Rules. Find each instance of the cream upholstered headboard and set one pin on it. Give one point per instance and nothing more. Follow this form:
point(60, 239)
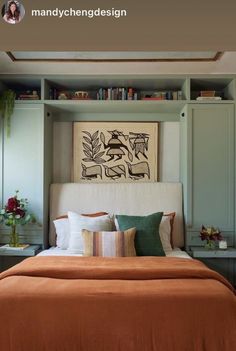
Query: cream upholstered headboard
point(118, 198)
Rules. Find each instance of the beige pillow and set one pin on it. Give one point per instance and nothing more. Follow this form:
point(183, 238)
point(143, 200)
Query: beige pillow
point(109, 244)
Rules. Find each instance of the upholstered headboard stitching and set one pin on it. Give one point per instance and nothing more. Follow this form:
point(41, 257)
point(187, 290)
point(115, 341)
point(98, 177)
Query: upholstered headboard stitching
point(119, 198)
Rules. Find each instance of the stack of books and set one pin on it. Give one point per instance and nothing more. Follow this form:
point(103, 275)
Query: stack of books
point(117, 94)
point(29, 95)
point(164, 95)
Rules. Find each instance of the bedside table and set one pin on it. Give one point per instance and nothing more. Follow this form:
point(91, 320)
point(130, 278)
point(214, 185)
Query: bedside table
point(10, 257)
point(222, 261)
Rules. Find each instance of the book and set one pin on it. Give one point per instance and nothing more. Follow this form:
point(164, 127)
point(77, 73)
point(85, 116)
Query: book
point(153, 98)
point(28, 98)
point(213, 98)
point(20, 247)
point(175, 95)
point(179, 95)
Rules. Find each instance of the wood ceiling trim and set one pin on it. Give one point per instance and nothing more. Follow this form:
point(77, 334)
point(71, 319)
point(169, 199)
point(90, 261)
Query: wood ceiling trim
point(217, 57)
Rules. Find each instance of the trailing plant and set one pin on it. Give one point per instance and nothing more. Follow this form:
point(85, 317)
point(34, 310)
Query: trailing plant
point(7, 103)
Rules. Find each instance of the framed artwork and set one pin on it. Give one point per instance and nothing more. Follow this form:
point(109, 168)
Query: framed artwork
point(115, 151)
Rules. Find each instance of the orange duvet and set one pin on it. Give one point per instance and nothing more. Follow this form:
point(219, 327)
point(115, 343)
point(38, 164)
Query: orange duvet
point(115, 304)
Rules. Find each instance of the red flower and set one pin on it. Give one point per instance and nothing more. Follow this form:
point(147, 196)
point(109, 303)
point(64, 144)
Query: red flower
point(20, 212)
point(210, 234)
point(12, 204)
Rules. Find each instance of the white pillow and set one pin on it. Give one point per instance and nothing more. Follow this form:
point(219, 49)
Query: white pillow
point(78, 223)
point(62, 227)
point(164, 232)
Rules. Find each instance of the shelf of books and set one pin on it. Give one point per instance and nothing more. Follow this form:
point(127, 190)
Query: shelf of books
point(118, 94)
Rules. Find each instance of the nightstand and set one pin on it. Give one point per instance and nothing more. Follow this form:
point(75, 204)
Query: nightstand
point(222, 261)
point(9, 258)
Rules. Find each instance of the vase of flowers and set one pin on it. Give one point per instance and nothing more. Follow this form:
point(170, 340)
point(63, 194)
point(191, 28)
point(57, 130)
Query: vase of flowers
point(210, 235)
point(13, 214)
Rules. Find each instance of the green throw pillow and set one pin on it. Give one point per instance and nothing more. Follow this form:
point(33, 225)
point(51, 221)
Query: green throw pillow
point(147, 238)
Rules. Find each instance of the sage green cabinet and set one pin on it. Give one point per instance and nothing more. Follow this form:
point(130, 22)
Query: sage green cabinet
point(207, 169)
point(222, 261)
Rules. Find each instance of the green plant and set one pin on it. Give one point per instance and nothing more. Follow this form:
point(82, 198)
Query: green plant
point(7, 103)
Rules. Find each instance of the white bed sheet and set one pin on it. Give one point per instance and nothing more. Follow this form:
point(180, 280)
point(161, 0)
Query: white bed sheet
point(55, 251)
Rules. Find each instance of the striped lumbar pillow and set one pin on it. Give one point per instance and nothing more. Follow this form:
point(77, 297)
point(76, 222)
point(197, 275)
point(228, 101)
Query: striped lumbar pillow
point(109, 244)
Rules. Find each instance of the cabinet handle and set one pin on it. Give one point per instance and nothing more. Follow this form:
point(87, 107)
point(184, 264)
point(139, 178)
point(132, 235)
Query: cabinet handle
point(182, 114)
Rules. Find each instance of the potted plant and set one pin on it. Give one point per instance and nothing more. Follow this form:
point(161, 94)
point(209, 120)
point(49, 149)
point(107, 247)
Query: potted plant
point(13, 214)
point(7, 103)
point(210, 235)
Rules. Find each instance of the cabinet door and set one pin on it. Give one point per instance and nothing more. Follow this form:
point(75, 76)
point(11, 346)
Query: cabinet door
point(23, 162)
point(208, 167)
point(223, 266)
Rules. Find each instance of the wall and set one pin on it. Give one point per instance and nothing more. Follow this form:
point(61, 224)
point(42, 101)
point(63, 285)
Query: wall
point(168, 152)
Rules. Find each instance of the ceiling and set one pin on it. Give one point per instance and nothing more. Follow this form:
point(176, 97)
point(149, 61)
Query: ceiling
point(225, 64)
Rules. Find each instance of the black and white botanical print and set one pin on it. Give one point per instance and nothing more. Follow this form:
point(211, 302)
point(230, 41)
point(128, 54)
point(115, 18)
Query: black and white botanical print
point(113, 151)
point(91, 148)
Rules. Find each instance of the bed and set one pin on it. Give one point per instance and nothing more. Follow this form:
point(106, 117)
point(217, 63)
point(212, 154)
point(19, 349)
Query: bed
point(65, 302)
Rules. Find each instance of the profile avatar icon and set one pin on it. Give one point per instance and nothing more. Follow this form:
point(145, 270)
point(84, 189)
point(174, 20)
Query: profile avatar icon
point(13, 12)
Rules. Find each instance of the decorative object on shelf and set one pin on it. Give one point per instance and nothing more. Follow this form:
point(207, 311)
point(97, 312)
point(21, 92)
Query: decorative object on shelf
point(115, 151)
point(7, 103)
point(13, 214)
point(63, 96)
point(80, 95)
point(210, 235)
point(207, 93)
point(28, 95)
point(223, 244)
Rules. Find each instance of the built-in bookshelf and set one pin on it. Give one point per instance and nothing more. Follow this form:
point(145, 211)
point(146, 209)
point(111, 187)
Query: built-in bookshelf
point(223, 87)
point(142, 94)
point(26, 88)
point(116, 88)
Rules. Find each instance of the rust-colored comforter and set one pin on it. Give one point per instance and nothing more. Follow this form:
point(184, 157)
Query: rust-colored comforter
point(115, 304)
